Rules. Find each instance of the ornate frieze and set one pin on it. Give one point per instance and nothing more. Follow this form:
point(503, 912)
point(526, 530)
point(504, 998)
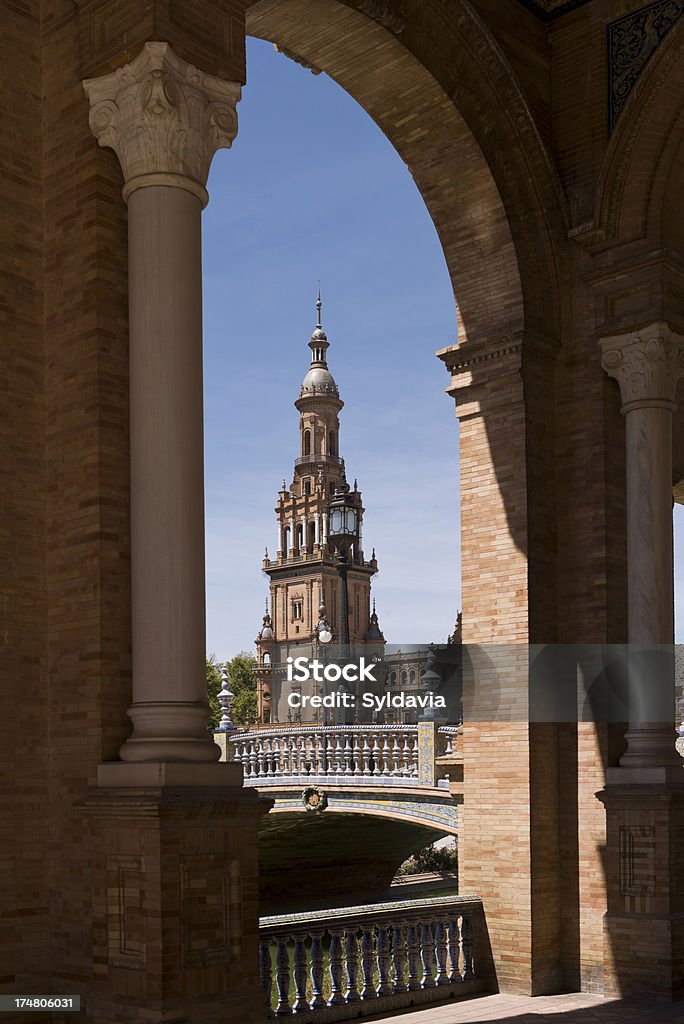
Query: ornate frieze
point(162, 116)
point(646, 364)
point(632, 40)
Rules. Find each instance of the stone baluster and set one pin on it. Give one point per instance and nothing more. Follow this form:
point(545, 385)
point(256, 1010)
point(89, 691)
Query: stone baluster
point(283, 1009)
point(319, 747)
point(376, 754)
point(396, 755)
point(317, 970)
point(454, 938)
point(275, 750)
point(348, 769)
point(300, 974)
point(351, 955)
point(339, 754)
point(467, 940)
point(427, 955)
point(399, 958)
point(368, 963)
point(301, 754)
point(268, 757)
point(405, 754)
point(441, 953)
point(336, 966)
point(415, 757)
point(384, 987)
point(356, 755)
point(366, 754)
point(265, 970)
point(386, 755)
point(413, 956)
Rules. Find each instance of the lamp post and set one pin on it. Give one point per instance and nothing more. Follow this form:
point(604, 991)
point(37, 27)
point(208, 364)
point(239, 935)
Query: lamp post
point(323, 635)
point(343, 524)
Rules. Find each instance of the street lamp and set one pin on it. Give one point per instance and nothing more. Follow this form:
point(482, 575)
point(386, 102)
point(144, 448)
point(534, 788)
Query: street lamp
point(343, 524)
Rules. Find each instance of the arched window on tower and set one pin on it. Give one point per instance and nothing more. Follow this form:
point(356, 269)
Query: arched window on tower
point(286, 540)
point(300, 536)
point(312, 536)
point(306, 443)
point(332, 443)
point(267, 658)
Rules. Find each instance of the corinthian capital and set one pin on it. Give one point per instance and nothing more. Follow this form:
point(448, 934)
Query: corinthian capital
point(163, 118)
point(646, 364)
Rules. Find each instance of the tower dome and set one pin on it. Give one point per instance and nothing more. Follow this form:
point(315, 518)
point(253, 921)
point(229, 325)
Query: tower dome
point(319, 380)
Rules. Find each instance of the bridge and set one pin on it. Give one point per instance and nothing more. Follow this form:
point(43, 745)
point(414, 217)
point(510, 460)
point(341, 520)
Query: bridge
point(364, 796)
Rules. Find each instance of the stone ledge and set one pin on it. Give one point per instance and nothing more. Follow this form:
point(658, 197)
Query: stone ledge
point(162, 774)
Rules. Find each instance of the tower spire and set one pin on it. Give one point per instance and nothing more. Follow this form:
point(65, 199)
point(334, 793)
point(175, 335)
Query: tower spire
point(319, 306)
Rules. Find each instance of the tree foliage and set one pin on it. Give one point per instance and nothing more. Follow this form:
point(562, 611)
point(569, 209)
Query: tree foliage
point(241, 682)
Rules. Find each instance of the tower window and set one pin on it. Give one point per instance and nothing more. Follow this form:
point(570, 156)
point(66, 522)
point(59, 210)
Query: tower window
point(307, 487)
point(332, 443)
point(298, 610)
point(306, 443)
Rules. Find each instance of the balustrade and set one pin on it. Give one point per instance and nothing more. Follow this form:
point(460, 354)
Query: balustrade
point(393, 954)
point(384, 752)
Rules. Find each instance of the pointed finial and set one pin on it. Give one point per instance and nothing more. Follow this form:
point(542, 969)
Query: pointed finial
point(373, 606)
point(373, 555)
point(266, 605)
point(319, 306)
point(266, 554)
point(283, 488)
point(356, 486)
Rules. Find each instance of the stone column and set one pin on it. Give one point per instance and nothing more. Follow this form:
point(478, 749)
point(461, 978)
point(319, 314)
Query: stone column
point(165, 119)
point(647, 365)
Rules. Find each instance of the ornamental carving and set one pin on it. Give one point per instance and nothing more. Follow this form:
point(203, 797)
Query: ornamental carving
point(646, 364)
point(162, 115)
point(632, 40)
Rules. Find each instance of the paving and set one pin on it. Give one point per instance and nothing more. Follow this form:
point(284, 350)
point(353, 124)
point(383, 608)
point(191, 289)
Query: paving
point(572, 1008)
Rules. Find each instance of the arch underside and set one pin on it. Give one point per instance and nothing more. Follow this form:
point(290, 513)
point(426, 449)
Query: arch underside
point(356, 856)
point(486, 242)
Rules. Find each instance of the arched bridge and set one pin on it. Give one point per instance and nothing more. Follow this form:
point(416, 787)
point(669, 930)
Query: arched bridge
point(364, 797)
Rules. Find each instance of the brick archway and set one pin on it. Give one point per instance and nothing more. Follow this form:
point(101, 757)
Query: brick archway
point(481, 170)
point(631, 197)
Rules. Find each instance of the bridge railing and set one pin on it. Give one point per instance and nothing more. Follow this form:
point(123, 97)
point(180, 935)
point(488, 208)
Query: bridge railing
point(344, 752)
point(346, 962)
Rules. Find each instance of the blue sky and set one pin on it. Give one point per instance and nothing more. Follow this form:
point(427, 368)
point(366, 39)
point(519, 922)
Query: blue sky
point(312, 189)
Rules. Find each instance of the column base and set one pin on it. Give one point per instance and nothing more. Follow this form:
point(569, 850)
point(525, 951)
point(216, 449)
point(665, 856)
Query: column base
point(651, 748)
point(643, 947)
point(170, 731)
point(175, 913)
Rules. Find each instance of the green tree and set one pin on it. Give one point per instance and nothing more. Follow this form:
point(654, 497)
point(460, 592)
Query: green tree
point(214, 680)
point(241, 682)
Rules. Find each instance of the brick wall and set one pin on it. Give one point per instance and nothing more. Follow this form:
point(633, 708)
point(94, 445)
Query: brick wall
point(24, 828)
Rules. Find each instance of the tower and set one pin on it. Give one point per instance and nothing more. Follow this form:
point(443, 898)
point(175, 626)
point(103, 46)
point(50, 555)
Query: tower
point(304, 575)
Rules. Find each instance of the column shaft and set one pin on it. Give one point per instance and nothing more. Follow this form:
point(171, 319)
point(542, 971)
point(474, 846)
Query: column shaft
point(648, 433)
point(167, 474)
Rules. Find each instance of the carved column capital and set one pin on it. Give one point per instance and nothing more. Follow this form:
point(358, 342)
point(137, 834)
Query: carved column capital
point(164, 119)
point(646, 364)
